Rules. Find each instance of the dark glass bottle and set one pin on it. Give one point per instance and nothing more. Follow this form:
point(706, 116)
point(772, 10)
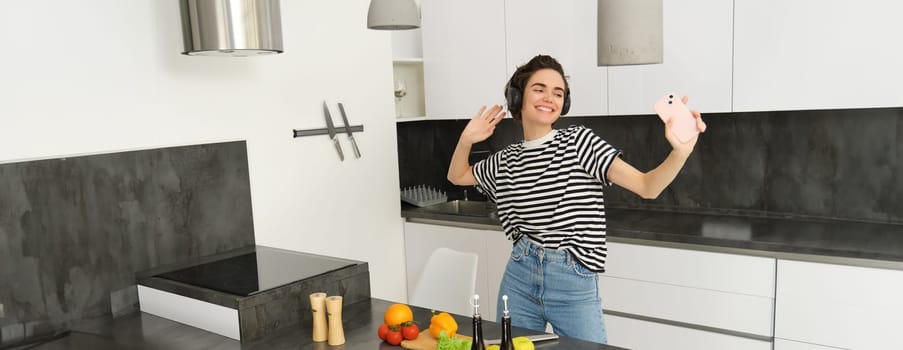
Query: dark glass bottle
point(507, 342)
point(478, 342)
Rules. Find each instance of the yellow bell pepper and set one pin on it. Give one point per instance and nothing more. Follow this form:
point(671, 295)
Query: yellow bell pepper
point(443, 322)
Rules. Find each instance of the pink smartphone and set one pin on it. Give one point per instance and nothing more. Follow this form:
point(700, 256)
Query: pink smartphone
point(670, 106)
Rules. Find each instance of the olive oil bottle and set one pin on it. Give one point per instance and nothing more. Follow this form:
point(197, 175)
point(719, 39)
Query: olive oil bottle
point(478, 342)
point(507, 342)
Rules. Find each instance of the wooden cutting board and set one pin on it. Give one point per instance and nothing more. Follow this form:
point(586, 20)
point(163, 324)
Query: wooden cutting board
point(425, 341)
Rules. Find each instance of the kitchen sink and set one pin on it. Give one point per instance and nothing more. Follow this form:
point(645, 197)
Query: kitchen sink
point(468, 208)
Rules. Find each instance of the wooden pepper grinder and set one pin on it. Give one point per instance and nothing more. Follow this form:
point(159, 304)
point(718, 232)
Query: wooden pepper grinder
point(318, 309)
point(334, 315)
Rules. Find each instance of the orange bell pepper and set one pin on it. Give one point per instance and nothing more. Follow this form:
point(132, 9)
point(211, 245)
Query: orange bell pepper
point(443, 322)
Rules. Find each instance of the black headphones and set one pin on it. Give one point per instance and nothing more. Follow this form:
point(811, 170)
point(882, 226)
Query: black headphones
point(515, 98)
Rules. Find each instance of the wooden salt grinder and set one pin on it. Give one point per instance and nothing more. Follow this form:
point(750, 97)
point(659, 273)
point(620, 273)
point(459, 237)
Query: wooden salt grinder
point(334, 315)
point(318, 309)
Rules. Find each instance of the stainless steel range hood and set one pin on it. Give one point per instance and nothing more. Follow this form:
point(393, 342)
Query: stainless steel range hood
point(231, 27)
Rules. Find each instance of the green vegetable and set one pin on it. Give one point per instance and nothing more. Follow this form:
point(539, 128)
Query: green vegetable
point(446, 343)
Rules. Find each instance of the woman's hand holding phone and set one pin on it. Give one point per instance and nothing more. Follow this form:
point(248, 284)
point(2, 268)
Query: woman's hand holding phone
point(682, 126)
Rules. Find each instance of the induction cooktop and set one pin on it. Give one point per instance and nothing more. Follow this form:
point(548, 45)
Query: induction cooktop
point(251, 273)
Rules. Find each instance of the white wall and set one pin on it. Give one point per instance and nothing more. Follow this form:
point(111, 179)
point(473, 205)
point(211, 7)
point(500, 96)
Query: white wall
point(99, 76)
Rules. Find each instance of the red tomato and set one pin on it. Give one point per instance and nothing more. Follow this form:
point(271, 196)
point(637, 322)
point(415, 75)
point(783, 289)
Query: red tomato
point(383, 329)
point(393, 337)
point(410, 332)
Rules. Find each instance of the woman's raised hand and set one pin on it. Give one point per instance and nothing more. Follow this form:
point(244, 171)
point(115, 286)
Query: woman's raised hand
point(684, 148)
point(483, 124)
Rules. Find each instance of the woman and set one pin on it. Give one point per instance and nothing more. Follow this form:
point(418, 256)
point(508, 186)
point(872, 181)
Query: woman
point(548, 189)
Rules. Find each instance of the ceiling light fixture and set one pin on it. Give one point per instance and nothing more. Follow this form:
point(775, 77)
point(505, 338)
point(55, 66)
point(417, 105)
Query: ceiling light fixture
point(629, 32)
point(393, 15)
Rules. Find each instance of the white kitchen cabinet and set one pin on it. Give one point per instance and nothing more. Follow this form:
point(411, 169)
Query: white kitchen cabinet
point(463, 56)
point(792, 55)
point(565, 30)
point(643, 335)
point(422, 239)
point(697, 61)
point(733, 293)
point(839, 306)
point(784, 344)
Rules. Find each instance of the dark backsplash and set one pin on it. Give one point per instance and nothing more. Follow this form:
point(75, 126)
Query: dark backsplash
point(839, 164)
point(73, 231)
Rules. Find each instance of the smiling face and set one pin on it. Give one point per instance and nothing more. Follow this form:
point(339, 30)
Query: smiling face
point(543, 98)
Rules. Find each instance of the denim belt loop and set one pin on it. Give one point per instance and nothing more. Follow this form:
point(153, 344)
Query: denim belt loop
point(569, 259)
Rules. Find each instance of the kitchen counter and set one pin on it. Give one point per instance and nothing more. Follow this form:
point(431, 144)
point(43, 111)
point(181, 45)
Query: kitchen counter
point(856, 243)
point(360, 322)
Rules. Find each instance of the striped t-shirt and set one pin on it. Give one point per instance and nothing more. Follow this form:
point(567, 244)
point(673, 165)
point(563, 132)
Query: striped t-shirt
point(550, 191)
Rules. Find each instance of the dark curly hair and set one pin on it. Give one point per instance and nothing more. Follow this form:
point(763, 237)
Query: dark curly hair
point(523, 73)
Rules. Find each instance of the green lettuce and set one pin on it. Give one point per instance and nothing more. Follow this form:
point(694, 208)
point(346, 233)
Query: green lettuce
point(446, 343)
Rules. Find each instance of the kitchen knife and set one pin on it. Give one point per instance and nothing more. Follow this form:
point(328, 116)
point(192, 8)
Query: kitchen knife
point(533, 338)
point(331, 129)
point(357, 152)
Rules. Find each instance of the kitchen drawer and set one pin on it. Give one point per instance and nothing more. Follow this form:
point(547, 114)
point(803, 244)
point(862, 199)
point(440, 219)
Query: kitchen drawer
point(839, 306)
point(730, 273)
point(706, 307)
point(641, 335)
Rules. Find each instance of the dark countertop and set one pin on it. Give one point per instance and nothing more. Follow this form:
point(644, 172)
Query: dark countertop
point(360, 322)
point(771, 236)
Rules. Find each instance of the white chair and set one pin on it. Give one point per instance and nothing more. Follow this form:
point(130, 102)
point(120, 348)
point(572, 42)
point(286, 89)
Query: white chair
point(448, 282)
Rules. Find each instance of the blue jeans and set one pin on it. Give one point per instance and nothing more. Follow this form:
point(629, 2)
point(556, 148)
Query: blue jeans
point(548, 285)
